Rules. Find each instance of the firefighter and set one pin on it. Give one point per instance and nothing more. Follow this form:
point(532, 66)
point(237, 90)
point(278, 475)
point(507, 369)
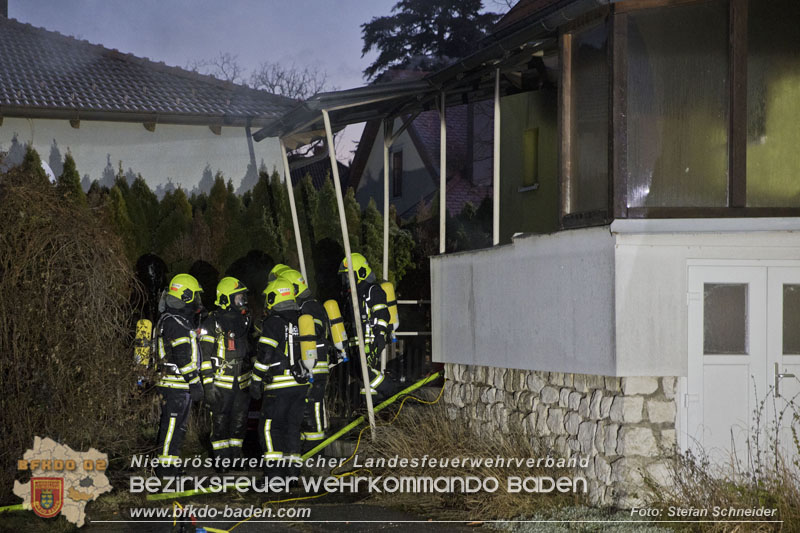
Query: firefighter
point(226, 367)
point(280, 376)
point(374, 320)
point(179, 361)
point(314, 422)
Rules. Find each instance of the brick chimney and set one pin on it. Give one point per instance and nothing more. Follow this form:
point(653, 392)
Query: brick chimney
point(4, 8)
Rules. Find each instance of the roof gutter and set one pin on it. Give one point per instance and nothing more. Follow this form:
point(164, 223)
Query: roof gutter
point(133, 117)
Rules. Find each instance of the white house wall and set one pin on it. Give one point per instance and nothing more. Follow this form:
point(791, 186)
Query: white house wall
point(544, 302)
point(651, 260)
point(171, 151)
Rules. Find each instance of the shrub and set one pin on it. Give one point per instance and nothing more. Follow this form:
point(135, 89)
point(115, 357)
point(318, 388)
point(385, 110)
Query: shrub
point(66, 365)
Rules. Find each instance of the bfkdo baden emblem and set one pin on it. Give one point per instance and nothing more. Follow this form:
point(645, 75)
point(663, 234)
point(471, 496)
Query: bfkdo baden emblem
point(47, 495)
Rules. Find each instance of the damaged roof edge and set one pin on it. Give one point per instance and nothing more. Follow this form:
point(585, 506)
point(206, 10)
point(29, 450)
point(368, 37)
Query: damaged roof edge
point(537, 26)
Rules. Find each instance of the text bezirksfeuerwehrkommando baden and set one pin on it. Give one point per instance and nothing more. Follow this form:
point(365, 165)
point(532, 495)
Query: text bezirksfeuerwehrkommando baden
point(428, 482)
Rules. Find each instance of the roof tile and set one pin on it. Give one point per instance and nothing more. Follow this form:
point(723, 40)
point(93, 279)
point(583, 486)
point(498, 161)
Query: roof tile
point(47, 70)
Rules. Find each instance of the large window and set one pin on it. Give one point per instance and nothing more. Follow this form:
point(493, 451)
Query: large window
point(773, 103)
point(585, 120)
point(677, 106)
point(681, 108)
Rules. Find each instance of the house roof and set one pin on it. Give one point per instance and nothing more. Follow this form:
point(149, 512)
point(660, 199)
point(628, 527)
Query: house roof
point(427, 130)
point(319, 168)
point(425, 133)
point(46, 74)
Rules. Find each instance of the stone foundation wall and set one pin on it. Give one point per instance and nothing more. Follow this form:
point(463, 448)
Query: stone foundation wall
point(625, 426)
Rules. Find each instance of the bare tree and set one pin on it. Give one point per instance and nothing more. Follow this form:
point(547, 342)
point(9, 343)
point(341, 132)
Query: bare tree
point(289, 80)
point(224, 66)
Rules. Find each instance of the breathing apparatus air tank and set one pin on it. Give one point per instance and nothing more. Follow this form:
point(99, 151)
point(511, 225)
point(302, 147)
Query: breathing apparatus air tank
point(141, 346)
point(391, 303)
point(337, 326)
point(308, 342)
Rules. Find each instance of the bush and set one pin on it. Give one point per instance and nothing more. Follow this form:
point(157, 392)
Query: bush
point(66, 365)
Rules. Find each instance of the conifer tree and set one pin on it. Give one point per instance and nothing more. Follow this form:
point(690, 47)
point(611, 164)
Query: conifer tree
point(143, 211)
point(258, 218)
point(237, 243)
point(326, 215)
point(216, 215)
point(121, 222)
point(401, 249)
point(279, 201)
point(69, 182)
point(352, 213)
point(306, 203)
point(32, 165)
point(372, 231)
point(175, 220)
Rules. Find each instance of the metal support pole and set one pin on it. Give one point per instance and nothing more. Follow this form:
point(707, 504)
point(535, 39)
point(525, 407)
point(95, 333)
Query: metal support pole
point(387, 142)
point(496, 165)
point(442, 173)
point(351, 277)
point(287, 175)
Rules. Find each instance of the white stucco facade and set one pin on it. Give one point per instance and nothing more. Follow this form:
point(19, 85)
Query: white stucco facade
point(607, 301)
point(177, 152)
point(543, 302)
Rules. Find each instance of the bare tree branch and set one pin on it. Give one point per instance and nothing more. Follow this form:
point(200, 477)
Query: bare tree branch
point(224, 66)
point(290, 81)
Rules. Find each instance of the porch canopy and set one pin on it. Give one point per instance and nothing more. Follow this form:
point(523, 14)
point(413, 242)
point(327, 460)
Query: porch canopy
point(505, 65)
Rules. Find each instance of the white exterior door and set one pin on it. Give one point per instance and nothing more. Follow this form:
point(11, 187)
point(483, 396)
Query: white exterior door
point(727, 367)
point(783, 351)
point(744, 359)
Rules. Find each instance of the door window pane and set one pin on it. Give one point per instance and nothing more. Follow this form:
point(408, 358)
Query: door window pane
point(773, 103)
point(725, 318)
point(677, 110)
point(588, 124)
point(791, 319)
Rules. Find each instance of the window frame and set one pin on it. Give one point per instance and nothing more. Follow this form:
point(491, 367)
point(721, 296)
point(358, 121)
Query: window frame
point(598, 217)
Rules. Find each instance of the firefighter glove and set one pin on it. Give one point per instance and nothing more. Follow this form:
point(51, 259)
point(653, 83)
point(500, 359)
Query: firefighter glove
point(380, 344)
point(255, 390)
point(196, 392)
point(211, 394)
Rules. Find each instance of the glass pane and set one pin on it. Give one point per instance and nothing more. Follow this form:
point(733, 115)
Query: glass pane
point(773, 103)
point(725, 318)
point(677, 119)
point(588, 187)
point(791, 319)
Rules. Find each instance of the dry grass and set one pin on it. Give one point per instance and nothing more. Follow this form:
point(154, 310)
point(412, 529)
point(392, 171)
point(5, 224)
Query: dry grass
point(66, 366)
point(428, 431)
point(761, 475)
